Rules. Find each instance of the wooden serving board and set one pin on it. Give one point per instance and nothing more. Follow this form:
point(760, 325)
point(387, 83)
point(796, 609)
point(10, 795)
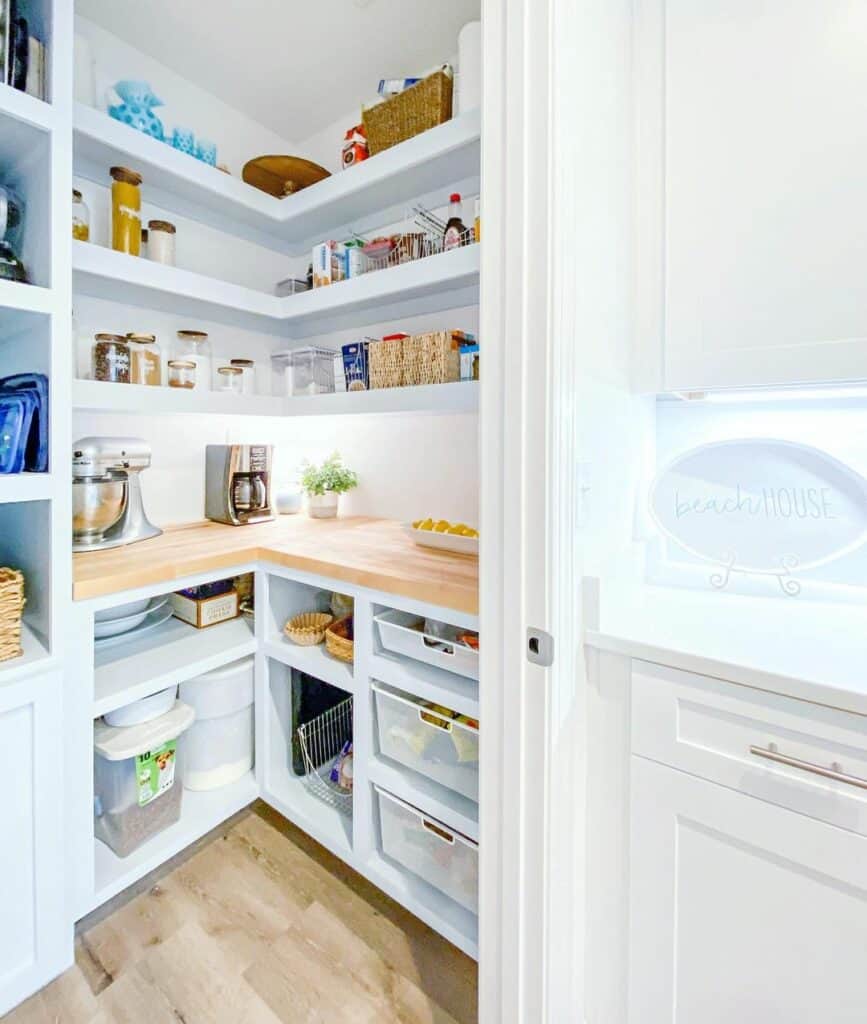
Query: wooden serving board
point(372, 553)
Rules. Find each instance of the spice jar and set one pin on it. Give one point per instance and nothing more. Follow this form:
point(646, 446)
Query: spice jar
point(145, 363)
point(110, 358)
point(182, 373)
point(230, 378)
point(80, 218)
point(161, 242)
point(194, 347)
point(248, 375)
point(126, 210)
point(143, 248)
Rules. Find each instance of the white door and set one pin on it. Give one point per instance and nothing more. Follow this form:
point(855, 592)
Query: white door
point(35, 938)
point(741, 911)
point(752, 202)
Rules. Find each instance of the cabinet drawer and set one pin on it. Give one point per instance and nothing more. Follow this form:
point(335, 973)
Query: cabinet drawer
point(808, 758)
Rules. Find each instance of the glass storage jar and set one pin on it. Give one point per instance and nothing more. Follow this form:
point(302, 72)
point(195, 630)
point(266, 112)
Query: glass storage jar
point(230, 378)
point(182, 373)
point(80, 218)
point(248, 375)
point(145, 360)
point(194, 347)
point(126, 210)
point(161, 242)
point(110, 358)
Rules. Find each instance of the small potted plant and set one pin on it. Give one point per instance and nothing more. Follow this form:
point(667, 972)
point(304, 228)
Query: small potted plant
point(324, 484)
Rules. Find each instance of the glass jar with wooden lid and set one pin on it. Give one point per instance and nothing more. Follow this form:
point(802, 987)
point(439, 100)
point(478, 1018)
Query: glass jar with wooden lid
point(194, 347)
point(230, 378)
point(248, 375)
point(110, 358)
point(145, 360)
point(182, 374)
point(161, 242)
point(126, 210)
point(80, 217)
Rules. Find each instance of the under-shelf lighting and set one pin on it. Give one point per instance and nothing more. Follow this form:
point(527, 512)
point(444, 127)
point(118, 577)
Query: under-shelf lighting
point(786, 394)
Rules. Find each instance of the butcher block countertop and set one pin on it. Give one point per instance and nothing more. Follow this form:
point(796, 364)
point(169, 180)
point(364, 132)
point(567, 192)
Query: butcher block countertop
point(372, 553)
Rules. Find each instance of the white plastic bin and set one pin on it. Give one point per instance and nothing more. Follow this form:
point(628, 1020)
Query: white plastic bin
point(138, 778)
point(442, 857)
point(403, 633)
point(434, 744)
point(219, 746)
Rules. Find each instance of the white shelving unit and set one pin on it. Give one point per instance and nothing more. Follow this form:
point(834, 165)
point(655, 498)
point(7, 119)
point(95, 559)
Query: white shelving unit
point(365, 196)
point(99, 396)
point(315, 661)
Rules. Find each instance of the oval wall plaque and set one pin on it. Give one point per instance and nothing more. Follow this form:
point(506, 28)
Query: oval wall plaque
point(761, 506)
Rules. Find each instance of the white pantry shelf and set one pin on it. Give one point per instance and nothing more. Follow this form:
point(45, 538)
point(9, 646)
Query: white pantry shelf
point(427, 681)
point(315, 661)
point(23, 298)
point(27, 109)
point(367, 195)
point(100, 396)
point(428, 796)
point(200, 812)
point(171, 653)
point(424, 398)
point(30, 661)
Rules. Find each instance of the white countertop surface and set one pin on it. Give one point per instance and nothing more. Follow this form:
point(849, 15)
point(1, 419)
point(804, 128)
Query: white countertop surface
point(812, 651)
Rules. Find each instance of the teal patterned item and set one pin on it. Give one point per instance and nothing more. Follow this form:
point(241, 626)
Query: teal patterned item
point(136, 108)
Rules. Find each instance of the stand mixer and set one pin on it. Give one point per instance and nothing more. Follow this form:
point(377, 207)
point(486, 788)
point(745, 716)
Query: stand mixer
point(107, 510)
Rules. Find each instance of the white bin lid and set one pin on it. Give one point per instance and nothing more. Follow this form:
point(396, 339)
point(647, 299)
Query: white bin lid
point(120, 743)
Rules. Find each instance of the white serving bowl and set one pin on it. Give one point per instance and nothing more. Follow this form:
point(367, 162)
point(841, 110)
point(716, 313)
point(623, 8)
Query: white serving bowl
point(443, 541)
point(122, 611)
point(144, 710)
point(113, 627)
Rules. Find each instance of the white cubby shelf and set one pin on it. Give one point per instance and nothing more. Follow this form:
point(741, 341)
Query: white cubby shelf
point(357, 199)
point(19, 106)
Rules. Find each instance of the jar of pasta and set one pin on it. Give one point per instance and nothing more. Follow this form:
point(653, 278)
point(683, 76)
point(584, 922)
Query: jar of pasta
point(126, 210)
point(145, 361)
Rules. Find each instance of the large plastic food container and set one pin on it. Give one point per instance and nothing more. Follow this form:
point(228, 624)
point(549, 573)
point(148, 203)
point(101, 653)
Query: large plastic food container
point(403, 633)
point(138, 778)
point(428, 740)
point(219, 745)
point(442, 857)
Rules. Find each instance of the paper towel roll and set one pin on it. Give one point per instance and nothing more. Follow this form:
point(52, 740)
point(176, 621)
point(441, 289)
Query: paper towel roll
point(470, 67)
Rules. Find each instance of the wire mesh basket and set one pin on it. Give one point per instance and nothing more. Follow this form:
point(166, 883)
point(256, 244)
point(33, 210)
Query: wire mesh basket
point(423, 237)
point(322, 741)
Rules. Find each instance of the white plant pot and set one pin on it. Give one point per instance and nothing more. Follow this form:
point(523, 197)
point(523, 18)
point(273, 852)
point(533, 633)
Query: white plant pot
point(323, 506)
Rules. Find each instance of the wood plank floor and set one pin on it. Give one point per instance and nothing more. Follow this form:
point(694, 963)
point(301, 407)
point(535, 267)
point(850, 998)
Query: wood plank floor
point(260, 924)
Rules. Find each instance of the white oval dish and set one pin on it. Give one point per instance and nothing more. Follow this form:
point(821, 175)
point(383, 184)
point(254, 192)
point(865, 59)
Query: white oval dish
point(122, 611)
point(442, 541)
point(144, 710)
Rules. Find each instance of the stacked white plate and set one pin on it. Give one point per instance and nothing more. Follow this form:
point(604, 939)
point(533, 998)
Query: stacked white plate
point(130, 619)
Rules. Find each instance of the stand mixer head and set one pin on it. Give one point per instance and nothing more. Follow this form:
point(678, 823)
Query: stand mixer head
point(107, 510)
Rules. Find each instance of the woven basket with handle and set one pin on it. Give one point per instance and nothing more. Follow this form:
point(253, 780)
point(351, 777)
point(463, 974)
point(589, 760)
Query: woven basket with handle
point(424, 105)
point(11, 609)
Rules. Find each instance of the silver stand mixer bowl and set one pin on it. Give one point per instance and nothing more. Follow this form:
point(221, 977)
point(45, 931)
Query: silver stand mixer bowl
point(97, 505)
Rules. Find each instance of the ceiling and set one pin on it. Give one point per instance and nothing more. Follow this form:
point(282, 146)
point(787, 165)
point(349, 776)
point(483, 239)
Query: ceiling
point(293, 65)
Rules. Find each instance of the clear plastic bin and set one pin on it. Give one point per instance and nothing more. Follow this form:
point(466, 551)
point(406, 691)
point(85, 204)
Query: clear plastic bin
point(436, 745)
point(312, 371)
point(443, 858)
point(403, 633)
point(219, 745)
point(138, 779)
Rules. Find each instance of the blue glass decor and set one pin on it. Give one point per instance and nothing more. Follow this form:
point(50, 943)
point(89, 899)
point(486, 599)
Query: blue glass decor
point(136, 108)
point(184, 141)
point(207, 152)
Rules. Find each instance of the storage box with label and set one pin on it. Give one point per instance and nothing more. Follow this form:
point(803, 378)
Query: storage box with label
point(205, 609)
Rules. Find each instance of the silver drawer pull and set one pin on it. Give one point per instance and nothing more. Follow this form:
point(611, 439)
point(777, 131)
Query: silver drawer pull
point(771, 754)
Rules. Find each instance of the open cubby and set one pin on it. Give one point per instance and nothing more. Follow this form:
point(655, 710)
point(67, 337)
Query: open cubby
point(25, 544)
point(25, 166)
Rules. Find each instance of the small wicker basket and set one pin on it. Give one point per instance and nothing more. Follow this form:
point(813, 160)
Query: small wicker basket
point(337, 641)
point(11, 609)
point(385, 361)
point(422, 106)
point(431, 359)
point(308, 628)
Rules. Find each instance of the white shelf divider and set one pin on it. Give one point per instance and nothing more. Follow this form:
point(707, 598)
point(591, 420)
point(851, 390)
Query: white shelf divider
point(200, 813)
point(171, 653)
point(362, 197)
point(25, 298)
point(26, 487)
point(315, 661)
point(428, 796)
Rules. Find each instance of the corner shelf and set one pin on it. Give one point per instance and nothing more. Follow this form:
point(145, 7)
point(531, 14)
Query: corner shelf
point(354, 199)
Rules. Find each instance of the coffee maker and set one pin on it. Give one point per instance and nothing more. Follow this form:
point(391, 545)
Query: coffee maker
point(238, 483)
point(107, 509)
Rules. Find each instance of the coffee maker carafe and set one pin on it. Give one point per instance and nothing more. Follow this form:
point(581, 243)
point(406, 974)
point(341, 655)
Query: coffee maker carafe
point(238, 483)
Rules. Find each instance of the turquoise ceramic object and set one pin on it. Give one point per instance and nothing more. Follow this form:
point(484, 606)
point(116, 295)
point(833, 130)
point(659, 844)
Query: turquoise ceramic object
point(184, 141)
point(206, 151)
point(136, 108)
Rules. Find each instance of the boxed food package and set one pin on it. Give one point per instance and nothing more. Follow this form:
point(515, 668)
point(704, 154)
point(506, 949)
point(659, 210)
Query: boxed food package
point(356, 366)
point(324, 264)
point(354, 146)
point(206, 605)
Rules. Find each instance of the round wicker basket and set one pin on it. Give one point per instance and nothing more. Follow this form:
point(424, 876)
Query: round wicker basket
point(308, 628)
point(337, 639)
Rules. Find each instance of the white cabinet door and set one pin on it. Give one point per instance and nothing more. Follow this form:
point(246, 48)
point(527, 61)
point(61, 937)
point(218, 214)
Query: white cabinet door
point(753, 212)
point(35, 934)
point(740, 910)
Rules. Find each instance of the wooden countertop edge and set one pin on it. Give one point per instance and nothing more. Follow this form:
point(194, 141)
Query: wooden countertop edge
point(442, 595)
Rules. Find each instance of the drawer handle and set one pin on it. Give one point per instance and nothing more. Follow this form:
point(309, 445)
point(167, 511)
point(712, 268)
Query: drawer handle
point(772, 754)
point(434, 720)
point(440, 833)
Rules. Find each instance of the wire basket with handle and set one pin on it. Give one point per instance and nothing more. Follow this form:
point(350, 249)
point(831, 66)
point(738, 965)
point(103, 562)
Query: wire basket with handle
point(322, 740)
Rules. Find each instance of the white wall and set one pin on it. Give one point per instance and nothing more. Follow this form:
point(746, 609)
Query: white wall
point(238, 138)
point(409, 467)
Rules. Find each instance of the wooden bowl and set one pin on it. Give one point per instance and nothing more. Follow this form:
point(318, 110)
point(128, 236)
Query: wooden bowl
point(282, 176)
point(308, 628)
